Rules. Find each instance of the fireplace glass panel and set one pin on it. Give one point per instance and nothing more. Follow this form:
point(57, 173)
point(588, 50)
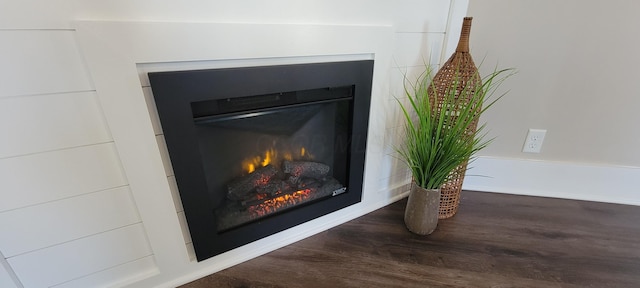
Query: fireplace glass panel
point(267, 160)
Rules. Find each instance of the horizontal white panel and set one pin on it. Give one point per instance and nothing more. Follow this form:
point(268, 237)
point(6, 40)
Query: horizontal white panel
point(394, 115)
point(421, 15)
point(65, 220)
point(49, 122)
point(401, 76)
point(118, 276)
point(49, 176)
point(248, 11)
point(38, 14)
point(417, 49)
point(6, 281)
point(68, 261)
point(394, 138)
point(408, 14)
point(393, 172)
point(40, 62)
point(153, 110)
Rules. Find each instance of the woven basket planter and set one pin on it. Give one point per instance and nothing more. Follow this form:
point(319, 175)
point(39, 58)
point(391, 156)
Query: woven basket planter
point(459, 68)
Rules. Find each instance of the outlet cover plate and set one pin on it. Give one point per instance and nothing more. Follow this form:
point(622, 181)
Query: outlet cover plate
point(533, 142)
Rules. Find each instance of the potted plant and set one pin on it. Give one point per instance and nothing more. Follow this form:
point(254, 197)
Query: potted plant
point(438, 137)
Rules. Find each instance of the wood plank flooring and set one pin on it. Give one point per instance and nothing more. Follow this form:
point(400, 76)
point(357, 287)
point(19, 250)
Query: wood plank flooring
point(495, 240)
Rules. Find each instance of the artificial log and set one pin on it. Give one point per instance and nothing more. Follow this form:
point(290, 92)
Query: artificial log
point(251, 202)
point(242, 187)
point(255, 201)
point(298, 169)
point(270, 188)
point(235, 213)
point(244, 203)
point(308, 183)
point(277, 189)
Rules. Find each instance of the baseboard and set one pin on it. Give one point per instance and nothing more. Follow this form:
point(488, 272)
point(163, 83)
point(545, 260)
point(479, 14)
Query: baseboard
point(602, 183)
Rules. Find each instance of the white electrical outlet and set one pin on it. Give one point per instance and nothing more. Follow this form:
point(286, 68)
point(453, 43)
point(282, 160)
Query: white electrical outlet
point(533, 143)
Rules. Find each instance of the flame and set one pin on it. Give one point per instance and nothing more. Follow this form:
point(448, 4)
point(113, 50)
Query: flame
point(251, 164)
point(269, 155)
point(273, 156)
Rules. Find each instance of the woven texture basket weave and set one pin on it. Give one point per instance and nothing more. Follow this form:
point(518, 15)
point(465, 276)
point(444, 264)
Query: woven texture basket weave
point(459, 68)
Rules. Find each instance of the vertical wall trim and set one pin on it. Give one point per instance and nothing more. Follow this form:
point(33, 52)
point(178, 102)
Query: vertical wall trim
point(457, 11)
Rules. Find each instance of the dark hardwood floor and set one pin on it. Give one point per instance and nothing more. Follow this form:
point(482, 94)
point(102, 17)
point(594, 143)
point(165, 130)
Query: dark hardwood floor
point(495, 240)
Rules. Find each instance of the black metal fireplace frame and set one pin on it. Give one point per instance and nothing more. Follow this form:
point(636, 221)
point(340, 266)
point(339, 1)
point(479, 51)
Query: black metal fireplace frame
point(175, 91)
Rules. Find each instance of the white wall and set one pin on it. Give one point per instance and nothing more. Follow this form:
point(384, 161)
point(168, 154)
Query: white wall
point(577, 63)
point(67, 215)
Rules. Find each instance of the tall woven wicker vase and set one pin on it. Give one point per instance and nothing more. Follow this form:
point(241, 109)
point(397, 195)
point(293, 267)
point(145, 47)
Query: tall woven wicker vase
point(460, 68)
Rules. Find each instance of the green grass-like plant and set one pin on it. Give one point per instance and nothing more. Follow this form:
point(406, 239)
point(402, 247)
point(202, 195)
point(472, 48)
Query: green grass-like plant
point(437, 143)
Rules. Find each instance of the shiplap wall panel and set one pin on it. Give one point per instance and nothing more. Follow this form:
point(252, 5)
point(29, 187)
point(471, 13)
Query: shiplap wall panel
point(421, 15)
point(401, 76)
point(417, 49)
point(117, 276)
point(40, 62)
point(65, 220)
point(5, 278)
point(49, 176)
point(82, 257)
point(49, 122)
point(36, 14)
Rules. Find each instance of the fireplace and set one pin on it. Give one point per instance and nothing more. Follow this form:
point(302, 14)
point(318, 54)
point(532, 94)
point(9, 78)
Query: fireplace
point(257, 150)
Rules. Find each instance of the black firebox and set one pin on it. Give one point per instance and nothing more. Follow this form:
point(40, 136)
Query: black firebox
point(257, 150)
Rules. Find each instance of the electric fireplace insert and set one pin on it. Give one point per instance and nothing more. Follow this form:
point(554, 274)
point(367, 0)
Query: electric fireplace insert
point(257, 150)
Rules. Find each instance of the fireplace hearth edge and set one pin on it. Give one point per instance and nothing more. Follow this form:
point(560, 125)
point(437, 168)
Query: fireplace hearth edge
point(175, 93)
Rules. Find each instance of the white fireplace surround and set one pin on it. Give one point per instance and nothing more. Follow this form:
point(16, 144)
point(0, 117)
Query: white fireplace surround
point(119, 54)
